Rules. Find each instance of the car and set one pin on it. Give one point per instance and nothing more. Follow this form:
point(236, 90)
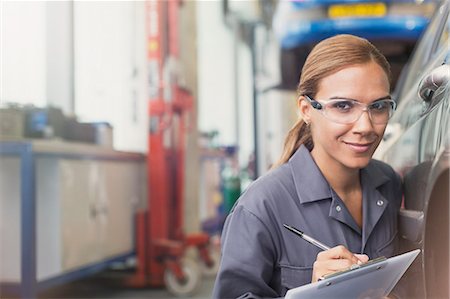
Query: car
point(417, 146)
point(392, 25)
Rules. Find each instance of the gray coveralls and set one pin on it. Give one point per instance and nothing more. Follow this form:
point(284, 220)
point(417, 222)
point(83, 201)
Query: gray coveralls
point(260, 258)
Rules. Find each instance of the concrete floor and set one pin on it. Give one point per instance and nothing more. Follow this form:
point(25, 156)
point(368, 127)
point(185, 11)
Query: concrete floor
point(109, 284)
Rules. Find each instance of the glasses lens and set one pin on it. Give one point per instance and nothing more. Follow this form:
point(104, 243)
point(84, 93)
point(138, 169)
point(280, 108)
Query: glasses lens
point(381, 111)
point(347, 111)
point(342, 111)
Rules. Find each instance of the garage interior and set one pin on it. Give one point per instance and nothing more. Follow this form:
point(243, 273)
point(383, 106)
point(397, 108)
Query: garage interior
point(128, 130)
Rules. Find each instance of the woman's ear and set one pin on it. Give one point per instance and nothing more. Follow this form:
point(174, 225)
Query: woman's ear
point(304, 109)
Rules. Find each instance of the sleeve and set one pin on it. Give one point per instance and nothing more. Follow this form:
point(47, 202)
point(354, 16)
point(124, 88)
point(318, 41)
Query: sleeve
point(248, 258)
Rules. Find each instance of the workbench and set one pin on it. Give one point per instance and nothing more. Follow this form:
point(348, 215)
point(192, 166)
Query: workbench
point(66, 211)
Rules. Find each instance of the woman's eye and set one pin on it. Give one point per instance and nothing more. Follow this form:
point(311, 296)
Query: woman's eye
point(379, 105)
point(343, 105)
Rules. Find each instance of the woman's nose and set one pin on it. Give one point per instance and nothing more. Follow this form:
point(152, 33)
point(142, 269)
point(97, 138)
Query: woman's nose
point(364, 122)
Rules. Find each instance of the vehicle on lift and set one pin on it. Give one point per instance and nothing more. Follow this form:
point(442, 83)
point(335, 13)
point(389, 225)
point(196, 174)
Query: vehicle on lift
point(392, 25)
point(417, 146)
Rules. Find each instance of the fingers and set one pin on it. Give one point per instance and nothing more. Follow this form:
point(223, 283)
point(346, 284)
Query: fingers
point(333, 265)
point(339, 252)
point(324, 267)
point(362, 258)
point(335, 259)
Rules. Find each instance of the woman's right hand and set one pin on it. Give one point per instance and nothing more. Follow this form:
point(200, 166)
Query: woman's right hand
point(335, 259)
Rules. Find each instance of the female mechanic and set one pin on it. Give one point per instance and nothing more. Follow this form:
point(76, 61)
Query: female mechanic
point(325, 184)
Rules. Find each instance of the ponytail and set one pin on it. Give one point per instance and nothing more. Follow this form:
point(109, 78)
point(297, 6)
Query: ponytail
point(299, 134)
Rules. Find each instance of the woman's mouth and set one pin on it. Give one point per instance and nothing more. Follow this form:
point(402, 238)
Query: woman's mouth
point(359, 147)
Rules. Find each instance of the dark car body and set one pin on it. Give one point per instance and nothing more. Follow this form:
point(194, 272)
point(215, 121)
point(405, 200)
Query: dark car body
point(417, 146)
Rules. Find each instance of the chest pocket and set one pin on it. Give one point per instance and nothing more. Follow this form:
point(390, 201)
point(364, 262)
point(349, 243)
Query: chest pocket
point(292, 277)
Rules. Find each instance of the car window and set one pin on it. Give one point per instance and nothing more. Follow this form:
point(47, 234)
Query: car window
point(423, 52)
point(412, 107)
point(444, 41)
point(430, 53)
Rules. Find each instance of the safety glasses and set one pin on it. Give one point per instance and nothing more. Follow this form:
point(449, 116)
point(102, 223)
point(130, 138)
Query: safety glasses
point(346, 111)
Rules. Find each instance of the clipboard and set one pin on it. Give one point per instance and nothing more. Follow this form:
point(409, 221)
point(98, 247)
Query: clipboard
point(374, 279)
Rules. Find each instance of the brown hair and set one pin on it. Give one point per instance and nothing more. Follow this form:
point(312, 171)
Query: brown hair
point(327, 57)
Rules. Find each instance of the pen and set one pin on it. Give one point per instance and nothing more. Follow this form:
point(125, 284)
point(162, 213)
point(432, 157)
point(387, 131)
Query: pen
point(306, 237)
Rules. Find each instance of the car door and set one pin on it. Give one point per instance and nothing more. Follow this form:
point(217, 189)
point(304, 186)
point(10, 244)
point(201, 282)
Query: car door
point(418, 132)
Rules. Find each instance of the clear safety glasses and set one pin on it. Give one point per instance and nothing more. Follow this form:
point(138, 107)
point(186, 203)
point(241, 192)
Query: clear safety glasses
point(346, 111)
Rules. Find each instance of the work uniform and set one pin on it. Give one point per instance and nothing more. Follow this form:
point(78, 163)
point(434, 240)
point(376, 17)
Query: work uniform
point(260, 258)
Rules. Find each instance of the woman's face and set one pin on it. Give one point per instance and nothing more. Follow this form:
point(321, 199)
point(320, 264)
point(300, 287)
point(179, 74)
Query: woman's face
point(348, 145)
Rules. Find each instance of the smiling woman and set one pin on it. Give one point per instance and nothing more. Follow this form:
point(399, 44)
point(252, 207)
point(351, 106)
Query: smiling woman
point(338, 67)
point(349, 141)
point(326, 183)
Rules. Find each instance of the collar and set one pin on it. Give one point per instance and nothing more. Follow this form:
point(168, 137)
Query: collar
point(373, 176)
point(310, 183)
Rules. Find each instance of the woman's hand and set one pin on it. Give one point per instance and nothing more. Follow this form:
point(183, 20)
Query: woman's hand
point(335, 259)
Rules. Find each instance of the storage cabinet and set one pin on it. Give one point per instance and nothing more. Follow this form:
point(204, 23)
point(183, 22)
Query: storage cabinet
point(82, 200)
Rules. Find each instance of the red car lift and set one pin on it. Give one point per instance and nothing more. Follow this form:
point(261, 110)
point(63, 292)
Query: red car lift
point(161, 242)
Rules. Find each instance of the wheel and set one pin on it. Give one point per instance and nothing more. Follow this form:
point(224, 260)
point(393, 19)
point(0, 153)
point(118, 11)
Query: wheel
point(436, 247)
point(211, 270)
point(192, 274)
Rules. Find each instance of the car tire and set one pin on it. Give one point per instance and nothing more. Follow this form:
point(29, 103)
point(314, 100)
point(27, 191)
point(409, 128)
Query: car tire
point(436, 245)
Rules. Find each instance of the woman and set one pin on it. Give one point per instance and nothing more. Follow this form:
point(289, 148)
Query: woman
point(325, 183)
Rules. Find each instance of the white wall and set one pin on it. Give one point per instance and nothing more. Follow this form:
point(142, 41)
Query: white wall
point(110, 69)
point(245, 101)
point(216, 73)
point(23, 60)
point(60, 58)
point(95, 67)
point(106, 78)
point(218, 78)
